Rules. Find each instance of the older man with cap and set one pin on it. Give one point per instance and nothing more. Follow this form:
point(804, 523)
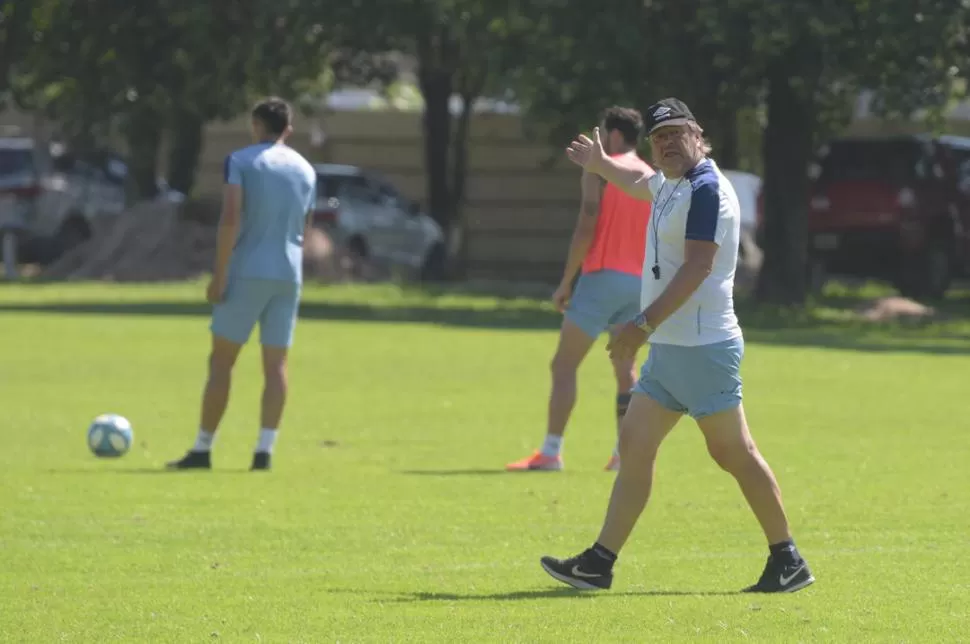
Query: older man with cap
point(696, 346)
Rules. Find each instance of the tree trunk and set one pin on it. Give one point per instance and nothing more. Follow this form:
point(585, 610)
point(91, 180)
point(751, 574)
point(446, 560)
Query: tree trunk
point(458, 246)
point(436, 88)
point(144, 137)
point(788, 149)
point(727, 153)
point(183, 157)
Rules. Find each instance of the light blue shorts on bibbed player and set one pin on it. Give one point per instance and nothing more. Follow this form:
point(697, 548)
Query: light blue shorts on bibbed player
point(698, 381)
point(603, 299)
point(273, 303)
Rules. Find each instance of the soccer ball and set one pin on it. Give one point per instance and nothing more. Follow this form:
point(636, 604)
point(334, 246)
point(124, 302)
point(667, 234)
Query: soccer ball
point(110, 436)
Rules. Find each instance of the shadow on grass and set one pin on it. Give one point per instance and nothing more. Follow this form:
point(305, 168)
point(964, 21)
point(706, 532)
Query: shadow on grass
point(546, 593)
point(143, 470)
point(828, 323)
point(494, 317)
point(454, 472)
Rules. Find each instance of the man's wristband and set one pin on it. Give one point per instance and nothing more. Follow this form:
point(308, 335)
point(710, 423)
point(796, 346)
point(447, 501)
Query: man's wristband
point(641, 323)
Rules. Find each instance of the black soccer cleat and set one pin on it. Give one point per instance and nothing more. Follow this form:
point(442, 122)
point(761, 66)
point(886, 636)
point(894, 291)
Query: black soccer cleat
point(782, 578)
point(586, 571)
point(192, 461)
point(261, 461)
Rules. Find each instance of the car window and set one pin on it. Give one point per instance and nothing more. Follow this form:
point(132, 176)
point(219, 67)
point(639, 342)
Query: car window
point(13, 161)
point(892, 161)
point(345, 187)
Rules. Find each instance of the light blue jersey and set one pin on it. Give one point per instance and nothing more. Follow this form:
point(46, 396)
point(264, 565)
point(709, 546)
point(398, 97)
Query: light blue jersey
point(278, 190)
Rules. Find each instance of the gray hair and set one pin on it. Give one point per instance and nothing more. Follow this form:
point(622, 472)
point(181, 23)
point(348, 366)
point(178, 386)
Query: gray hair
point(694, 127)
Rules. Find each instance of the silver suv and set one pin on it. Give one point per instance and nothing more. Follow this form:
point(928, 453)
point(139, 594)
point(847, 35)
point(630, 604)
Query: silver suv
point(365, 214)
point(52, 209)
point(52, 201)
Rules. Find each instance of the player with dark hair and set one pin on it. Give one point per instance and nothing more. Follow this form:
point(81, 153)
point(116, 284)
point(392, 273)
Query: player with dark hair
point(607, 249)
point(269, 191)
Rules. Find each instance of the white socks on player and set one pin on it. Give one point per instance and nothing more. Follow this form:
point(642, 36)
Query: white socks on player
point(203, 442)
point(267, 439)
point(552, 446)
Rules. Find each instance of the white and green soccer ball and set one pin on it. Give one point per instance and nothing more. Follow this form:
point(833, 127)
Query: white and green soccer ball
point(110, 436)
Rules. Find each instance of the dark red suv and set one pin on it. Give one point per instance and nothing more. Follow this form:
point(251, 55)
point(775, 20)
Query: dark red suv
point(894, 208)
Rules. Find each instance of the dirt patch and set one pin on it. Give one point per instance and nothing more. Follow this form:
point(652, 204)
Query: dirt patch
point(890, 309)
point(166, 241)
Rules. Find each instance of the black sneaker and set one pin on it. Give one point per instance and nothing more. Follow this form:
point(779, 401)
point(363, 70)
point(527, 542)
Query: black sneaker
point(192, 461)
point(261, 461)
point(587, 571)
point(782, 578)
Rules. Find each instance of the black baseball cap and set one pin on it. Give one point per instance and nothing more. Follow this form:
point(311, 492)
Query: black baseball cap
point(668, 111)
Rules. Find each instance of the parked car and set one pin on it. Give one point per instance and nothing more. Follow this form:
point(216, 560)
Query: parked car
point(365, 214)
point(896, 208)
point(51, 199)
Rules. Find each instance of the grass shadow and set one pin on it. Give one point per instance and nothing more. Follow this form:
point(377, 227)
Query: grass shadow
point(143, 470)
point(546, 593)
point(469, 472)
point(828, 322)
point(496, 317)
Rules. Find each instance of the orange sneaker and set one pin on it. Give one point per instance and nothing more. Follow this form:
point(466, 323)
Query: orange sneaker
point(613, 465)
point(538, 461)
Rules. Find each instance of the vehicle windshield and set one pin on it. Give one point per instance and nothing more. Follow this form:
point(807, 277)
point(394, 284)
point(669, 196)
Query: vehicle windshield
point(892, 161)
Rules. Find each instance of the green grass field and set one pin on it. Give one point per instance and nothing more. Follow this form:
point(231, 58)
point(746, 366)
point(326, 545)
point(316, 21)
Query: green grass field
point(388, 518)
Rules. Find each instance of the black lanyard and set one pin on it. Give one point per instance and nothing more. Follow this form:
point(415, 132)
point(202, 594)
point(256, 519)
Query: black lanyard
point(655, 216)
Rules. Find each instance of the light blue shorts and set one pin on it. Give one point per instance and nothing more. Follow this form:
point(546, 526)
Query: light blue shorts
point(273, 303)
point(603, 299)
point(698, 381)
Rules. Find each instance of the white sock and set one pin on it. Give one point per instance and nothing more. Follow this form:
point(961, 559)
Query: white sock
point(267, 438)
point(616, 451)
point(203, 442)
point(552, 446)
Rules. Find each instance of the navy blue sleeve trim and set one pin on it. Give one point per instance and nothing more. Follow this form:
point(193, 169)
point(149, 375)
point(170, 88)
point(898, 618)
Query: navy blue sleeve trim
point(705, 205)
point(225, 168)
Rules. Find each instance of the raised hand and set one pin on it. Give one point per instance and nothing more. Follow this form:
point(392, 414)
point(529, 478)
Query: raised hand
point(586, 152)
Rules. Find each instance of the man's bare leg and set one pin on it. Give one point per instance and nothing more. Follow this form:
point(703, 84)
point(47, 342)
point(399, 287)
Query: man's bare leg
point(625, 373)
point(730, 444)
point(215, 398)
point(645, 426)
point(574, 345)
point(275, 388)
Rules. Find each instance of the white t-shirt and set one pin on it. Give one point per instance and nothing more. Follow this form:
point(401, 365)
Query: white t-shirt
point(702, 205)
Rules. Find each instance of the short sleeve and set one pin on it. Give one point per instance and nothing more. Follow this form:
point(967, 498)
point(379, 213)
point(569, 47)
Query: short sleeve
point(230, 171)
point(703, 214)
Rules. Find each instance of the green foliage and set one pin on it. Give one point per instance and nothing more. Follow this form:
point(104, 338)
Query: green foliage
point(726, 57)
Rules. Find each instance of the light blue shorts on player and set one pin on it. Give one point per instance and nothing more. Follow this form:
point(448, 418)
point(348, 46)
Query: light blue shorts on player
point(603, 299)
point(272, 303)
point(698, 381)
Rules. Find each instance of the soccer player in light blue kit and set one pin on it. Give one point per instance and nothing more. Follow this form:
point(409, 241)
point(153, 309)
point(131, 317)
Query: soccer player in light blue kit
point(269, 191)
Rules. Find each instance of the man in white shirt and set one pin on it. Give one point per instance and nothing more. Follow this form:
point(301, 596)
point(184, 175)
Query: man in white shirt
point(696, 346)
